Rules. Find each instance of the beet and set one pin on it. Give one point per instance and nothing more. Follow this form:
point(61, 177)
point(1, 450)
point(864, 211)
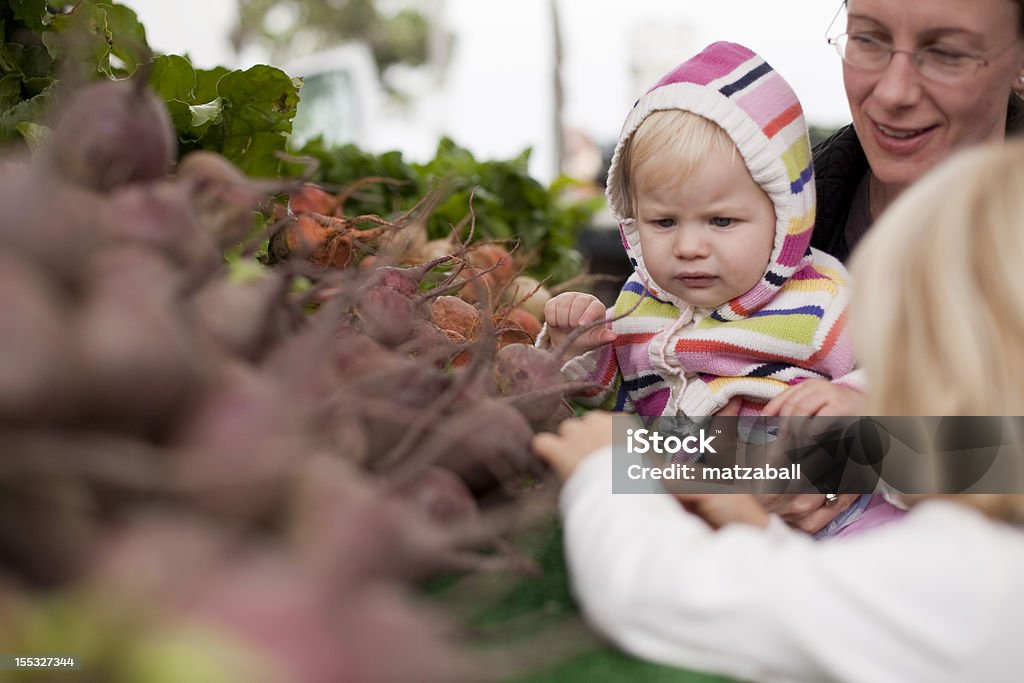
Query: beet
point(309, 197)
point(139, 361)
point(112, 133)
point(427, 341)
point(494, 258)
point(441, 495)
point(345, 530)
point(459, 319)
point(386, 314)
point(239, 444)
point(37, 373)
point(49, 221)
point(523, 369)
point(243, 317)
point(222, 197)
point(160, 215)
point(485, 441)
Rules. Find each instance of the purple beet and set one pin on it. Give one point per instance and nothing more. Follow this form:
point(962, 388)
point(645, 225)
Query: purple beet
point(37, 372)
point(112, 133)
point(243, 317)
point(160, 215)
point(136, 351)
point(524, 370)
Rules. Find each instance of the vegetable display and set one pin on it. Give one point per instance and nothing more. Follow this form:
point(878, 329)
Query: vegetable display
point(310, 466)
point(270, 457)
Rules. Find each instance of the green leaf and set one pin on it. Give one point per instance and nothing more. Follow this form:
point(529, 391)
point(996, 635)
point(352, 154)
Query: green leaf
point(32, 13)
point(181, 115)
point(258, 106)
point(81, 40)
point(262, 98)
point(31, 110)
point(10, 91)
point(35, 134)
point(206, 83)
point(173, 78)
point(127, 35)
point(29, 61)
point(254, 152)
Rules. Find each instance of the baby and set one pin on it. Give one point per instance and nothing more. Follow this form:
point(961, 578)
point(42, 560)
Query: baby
point(713, 188)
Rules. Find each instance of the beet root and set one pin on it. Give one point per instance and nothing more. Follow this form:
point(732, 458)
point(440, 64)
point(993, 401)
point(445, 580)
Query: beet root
point(243, 317)
point(386, 315)
point(37, 381)
point(160, 215)
point(521, 369)
point(139, 361)
point(50, 221)
point(223, 197)
point(457, 318)
point(485, 441)
point(112, 133)
point(442, 495)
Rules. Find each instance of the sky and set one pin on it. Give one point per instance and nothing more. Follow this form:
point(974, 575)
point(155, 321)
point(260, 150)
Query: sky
point(496, 96)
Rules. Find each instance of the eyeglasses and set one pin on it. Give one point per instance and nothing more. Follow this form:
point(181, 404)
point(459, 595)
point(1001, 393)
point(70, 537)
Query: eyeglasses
point(935, 62)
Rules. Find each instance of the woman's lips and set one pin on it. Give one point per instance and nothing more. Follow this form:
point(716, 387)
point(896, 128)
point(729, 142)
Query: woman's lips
point(900, 140)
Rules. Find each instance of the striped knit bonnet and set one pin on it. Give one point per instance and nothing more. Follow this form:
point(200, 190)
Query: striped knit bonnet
point(733, 87)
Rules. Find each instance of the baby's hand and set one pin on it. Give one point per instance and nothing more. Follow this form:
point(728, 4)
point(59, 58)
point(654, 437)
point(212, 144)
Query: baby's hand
point(815, 397)
point(576, 439)
point(569, 310)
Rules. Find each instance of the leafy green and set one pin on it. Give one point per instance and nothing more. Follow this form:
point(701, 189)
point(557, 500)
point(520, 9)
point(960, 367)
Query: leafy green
point(97, 39)
point(245, 115)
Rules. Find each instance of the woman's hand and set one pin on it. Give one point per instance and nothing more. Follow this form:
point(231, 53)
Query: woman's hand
point(577, 438)
point(811, 512)
point(808, 512)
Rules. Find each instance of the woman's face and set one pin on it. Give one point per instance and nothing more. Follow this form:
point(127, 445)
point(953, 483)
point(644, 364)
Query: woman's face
point(908, 123)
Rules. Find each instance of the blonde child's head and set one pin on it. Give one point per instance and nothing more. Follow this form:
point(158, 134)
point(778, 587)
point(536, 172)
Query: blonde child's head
point(939, 306)
point(938, 310)
point(729, 104)
point(670, 144)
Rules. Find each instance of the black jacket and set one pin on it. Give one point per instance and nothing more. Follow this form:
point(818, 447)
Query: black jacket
point(839, 165)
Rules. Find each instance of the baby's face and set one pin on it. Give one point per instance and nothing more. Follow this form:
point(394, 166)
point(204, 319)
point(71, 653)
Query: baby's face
point(706, 240)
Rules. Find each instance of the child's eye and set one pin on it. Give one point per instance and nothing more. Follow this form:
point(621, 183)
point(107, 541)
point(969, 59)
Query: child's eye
point(665, 222)
point(721, 222)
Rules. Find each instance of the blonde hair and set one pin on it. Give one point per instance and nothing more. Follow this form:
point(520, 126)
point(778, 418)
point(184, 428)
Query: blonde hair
point(937, 313)
point(669, 144)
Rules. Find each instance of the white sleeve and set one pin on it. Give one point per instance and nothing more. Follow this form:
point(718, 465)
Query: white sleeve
point(901, 603)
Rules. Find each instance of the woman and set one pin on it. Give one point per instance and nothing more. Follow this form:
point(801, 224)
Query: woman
point(932, 597)
point(923, 78)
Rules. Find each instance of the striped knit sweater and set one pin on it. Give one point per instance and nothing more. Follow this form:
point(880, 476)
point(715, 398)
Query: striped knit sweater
point(672, 359)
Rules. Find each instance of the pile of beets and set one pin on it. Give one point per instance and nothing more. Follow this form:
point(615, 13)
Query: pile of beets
point(221, 473)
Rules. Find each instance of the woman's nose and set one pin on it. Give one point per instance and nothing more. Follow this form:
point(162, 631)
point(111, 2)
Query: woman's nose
point(899, 83)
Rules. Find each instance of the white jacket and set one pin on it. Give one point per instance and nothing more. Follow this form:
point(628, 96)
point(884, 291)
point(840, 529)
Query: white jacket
point(934, 597)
